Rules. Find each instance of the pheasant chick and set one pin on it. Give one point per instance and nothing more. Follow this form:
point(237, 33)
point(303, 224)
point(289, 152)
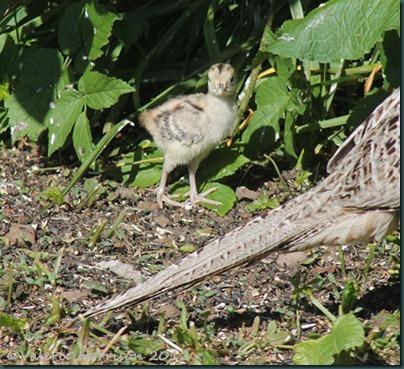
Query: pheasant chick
point(186, 128)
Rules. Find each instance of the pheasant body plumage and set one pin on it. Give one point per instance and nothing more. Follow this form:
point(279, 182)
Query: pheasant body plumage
point(359, 201)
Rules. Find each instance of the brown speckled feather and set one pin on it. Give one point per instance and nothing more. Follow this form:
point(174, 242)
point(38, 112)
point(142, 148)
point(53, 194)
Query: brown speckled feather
point(359, 201)
point(186, 128)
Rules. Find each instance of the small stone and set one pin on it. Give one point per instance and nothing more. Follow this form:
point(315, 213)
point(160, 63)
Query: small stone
point(74, 296)
point(169, 310)
point(291, 259)
point(243, 192)
point(148, 205)
point(124, 270)
point(162, 220)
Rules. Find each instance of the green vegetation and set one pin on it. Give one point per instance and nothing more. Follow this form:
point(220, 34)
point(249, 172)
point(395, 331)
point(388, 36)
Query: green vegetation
point(74, 76)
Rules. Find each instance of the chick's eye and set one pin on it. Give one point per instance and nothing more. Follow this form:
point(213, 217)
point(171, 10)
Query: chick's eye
point(232, 79)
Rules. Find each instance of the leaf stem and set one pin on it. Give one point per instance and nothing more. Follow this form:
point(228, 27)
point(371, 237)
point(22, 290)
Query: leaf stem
point(342, 261)
point(251, 80)
point(323, 309)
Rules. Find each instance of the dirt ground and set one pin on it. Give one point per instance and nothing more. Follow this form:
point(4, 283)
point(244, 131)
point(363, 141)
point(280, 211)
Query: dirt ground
point(149, 239)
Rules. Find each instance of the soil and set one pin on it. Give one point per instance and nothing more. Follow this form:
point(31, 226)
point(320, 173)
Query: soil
point(149, 239)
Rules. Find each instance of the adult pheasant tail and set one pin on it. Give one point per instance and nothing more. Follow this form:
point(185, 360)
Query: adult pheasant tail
point(357, 202)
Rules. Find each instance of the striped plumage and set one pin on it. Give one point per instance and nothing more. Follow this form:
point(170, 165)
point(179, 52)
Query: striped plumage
point(359, 201)
point(186, 128)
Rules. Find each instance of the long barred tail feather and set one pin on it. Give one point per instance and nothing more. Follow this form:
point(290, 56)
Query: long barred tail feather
point(359, 201)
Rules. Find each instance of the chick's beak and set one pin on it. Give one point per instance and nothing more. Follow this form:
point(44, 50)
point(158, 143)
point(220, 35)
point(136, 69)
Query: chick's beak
point(220, 89)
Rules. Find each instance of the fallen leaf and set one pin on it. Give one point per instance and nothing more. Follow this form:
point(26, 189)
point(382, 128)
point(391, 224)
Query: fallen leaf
point(126, 271)
point(21, 234)
point(74, 295)
point(291, 259)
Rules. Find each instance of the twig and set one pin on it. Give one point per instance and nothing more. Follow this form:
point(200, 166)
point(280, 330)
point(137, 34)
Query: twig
point(113, 341)
point(170, 343)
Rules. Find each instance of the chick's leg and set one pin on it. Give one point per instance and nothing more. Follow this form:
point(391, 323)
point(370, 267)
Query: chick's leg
point(161, 196)
point(196, 197)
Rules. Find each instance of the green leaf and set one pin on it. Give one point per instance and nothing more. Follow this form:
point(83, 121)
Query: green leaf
point(69, 28)
point(182, 336)
point(313, 353)
point(339, 29)
point(9, 56)
point(53, 193)
point(188, 248)
point(3, 120)
point(82, 139)
point(210, 33)
point(82, 64)
point(364, 106)
point(274, 100)
point(347, 333)
point(208, 358)
point(98, 30)
point(9, 321)
point(184, 315)
point(149, 175)
point(289, 134)
point(130, 28)
point(90, 184)
point(263, 202)
point(223, 162)
point(87, 26)
point(272, 91)
point(224, 194)
point(146, 172)
point(65, 114)
point(278, 338)
point(349, 296)
point(101, 91)
point(302, 176)
point(263, 129)
point(285, 67)
point(391, 58)
point(144, 346)
point(41, 68)
point(29, 111)
point(95, 287)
